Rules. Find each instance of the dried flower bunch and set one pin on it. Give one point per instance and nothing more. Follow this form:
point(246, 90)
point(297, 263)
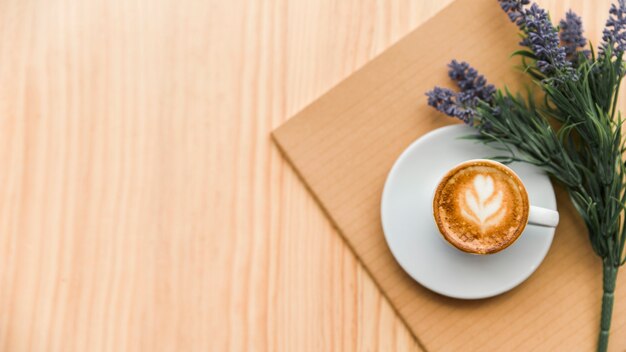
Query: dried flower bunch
point(580, 90)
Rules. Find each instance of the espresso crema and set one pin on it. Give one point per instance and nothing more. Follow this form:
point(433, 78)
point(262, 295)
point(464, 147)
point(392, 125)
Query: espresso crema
point(481, 207)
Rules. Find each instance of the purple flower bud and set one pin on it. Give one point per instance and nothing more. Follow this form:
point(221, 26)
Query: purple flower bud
point(541, 36)
point(449, 103)
point(471, 83)
point(514, 8)
point(614, 33)
point(572, 36)
point(462, 105)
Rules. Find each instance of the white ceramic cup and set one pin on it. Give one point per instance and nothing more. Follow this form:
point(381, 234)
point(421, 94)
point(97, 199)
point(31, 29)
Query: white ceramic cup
point(536, 215)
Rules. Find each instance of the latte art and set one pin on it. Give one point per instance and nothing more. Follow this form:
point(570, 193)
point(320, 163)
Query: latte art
point(481, 207)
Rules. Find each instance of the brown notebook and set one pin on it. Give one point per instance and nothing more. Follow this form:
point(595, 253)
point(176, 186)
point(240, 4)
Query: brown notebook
point(344, 144)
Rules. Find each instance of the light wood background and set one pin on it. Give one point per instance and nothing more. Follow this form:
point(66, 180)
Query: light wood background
point(142, 204)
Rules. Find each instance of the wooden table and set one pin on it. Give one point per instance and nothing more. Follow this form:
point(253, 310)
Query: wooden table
point(142, 204)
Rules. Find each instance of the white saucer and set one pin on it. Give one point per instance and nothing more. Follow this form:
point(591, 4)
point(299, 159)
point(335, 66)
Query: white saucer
point(416, 243)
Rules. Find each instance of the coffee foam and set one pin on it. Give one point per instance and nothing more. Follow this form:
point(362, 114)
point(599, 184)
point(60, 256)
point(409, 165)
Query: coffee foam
point(481, 207)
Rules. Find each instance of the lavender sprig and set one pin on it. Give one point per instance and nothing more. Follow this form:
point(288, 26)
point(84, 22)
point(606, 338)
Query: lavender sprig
point(470, 82)
point(540, 36)
point(462, 105)
point(452, 104)
point(614, 33)
point(514, 9)
point(572, 38)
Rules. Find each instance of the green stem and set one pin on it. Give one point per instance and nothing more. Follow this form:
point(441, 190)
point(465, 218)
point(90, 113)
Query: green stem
point(608, 285)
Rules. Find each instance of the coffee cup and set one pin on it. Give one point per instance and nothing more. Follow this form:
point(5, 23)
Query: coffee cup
point(481, 206)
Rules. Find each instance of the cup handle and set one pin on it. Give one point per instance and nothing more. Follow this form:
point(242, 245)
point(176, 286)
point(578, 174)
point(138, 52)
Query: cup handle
point(543, 217)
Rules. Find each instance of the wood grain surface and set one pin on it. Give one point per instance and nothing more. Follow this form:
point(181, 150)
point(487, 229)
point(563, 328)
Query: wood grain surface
point(142, 204)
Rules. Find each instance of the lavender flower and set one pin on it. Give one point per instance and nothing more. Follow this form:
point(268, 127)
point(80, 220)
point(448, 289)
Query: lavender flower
point(614, 33)
point(572, 36)
point(541, 37)
point(473, 85)
point(462, 105)
point(514, 8)
point(449, 102)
